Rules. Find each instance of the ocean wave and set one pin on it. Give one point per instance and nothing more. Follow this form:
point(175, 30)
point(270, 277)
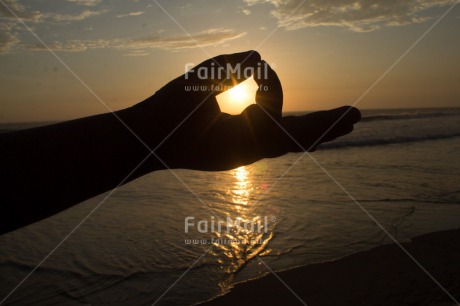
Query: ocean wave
point(411, 115)
point(385, 141)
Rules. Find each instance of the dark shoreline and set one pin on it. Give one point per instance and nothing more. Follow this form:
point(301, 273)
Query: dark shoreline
point(384, 275)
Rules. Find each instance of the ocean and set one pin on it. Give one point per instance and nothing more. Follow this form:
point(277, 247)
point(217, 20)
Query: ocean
point(400, 167)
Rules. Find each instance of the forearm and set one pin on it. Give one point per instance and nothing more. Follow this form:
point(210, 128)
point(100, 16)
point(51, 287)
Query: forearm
point(48, 169)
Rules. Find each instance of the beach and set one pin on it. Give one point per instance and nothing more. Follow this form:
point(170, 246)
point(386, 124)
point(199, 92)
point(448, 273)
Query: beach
point(252, 152)
point(385, 275)
point(401, 167)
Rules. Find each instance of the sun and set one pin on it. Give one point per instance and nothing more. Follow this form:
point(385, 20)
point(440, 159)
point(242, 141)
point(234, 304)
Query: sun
point(235, 100)
point(239, 93)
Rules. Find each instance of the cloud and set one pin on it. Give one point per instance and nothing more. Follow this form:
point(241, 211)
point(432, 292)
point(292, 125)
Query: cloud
point(130, 14)
point(11, 27)
point(86, 2)
point(136, 53)
point(356, 15)
point(72, 17)
point(7, 41)
point(135, 46)
point(11, 30)
point(16, 9)
point(246, 12)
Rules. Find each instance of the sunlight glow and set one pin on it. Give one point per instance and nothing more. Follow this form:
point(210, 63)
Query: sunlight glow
point(235, 100)
point(242, 187)
point(234, 256)
point(239, 93)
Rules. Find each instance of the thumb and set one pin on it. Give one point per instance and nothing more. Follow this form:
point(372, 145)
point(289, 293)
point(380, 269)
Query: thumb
point(263, 130)
point(269, 96)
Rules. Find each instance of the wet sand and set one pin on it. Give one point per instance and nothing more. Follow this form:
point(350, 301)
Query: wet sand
point(384, 275)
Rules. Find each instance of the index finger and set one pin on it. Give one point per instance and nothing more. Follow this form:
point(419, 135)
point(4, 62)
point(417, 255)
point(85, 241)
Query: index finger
point(269, 96)
point(225, 70)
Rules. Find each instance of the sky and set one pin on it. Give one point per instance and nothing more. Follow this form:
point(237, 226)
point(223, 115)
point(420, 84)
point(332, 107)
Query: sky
point(327, 53)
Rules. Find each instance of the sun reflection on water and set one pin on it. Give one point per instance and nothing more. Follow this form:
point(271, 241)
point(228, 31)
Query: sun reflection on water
point(245, 242)
point(242, 187)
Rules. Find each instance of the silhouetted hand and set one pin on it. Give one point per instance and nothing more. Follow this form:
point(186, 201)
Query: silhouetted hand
point(48, 169)
point(200, 136)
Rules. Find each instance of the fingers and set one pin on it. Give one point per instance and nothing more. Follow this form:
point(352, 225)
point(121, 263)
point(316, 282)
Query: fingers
point(346, 114)
point(262, 119)
point(223, 71)
point(245, 59)
point(269, 96)
point(308, 131)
